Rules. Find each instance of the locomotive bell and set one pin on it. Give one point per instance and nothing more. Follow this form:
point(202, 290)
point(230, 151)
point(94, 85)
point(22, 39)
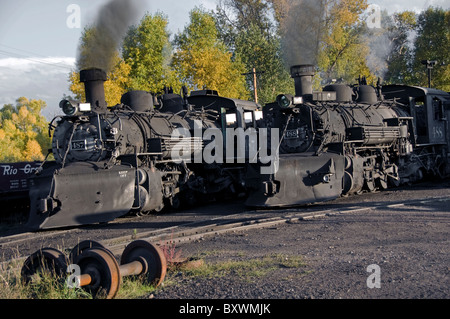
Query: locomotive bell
point(93, 80)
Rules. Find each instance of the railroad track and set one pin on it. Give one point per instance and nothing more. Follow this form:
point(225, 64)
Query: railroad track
point(262, 222)
point(192, 231)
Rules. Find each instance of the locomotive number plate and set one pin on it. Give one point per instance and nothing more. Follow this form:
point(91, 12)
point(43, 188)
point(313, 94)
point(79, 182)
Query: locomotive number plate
point(79, 145)
point(291, 134)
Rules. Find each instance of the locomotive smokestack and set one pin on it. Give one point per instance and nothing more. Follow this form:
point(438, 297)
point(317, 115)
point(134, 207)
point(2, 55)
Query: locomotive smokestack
point(93, 80)
point(303, 76)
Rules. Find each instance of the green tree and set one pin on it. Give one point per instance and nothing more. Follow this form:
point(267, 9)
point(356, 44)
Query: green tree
point(23, 131)
point(148, 51)
point(262, 51)
point(399, 59)
point(204, 61)
point(235, 15)
point(247, 26)
point(432, 43)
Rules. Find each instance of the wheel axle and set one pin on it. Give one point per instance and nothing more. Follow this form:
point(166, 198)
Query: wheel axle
point(100, 273)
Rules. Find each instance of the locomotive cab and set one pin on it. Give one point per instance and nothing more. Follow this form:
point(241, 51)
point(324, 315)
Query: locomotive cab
point(429, 108)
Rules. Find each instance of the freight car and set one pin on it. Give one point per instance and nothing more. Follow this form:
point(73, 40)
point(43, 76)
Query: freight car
point(14, 179)
point(345, 140)
point(14, 188)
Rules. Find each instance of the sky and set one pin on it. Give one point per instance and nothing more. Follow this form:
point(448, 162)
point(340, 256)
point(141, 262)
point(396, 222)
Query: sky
point(38, 40)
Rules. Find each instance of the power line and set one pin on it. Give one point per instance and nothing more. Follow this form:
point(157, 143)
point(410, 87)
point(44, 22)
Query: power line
point(26, 51)
point(62, 65)
point(9, 54)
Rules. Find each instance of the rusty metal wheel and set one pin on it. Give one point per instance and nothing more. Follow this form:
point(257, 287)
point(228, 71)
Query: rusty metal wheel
point(152, 257)
point(103, 269)
point(44, 261)
point(82, 246)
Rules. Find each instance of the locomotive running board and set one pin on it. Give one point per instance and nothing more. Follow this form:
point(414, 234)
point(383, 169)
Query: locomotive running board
point(301, 179)
point(80, 194)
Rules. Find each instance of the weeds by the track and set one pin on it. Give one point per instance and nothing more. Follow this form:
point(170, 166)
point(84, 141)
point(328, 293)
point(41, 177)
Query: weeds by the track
point(247, 269)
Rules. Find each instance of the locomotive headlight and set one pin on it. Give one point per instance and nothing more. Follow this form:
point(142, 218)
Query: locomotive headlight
point(72, 108)
point(288, 101)
point(69, 108)
point(285, 101)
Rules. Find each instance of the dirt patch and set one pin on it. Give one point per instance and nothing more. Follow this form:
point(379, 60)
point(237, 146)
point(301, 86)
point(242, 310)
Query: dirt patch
point(404, 247)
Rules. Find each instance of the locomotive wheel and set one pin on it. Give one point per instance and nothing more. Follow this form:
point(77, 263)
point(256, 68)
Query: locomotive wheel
point(370, 185)
point(394, 182)
point(44, 261)
point(140, 213)
point(348, 183)
point(153, 260)
point(382, 182)
point(103, 269)
point(175, 202)
point(78, 249)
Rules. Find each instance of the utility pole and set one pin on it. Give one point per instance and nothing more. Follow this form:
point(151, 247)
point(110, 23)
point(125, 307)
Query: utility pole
point(255, 82)
point(429, 65)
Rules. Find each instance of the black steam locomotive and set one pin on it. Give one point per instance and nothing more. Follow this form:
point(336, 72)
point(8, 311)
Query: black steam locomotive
point(345, 140)
point(138, 156)
point(154, 151)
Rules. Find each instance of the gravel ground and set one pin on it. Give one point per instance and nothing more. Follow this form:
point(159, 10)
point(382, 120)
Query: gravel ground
point(409, 244)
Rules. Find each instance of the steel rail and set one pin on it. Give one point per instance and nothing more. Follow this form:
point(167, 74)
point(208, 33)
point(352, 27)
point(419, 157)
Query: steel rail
point(197, 230)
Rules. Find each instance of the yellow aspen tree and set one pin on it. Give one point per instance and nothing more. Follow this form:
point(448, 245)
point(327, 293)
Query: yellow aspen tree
point(23, 131)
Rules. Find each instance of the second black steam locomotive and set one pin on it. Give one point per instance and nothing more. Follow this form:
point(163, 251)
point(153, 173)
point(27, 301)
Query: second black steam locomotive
point(345, 139)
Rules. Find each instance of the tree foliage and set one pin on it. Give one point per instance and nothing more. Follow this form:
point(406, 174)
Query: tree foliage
point(148, 51)
point(247, 27)
point(432, 43)
point(262, 51)
point(343, 47)
point(23, 131)
point(399, 28)
point(419, 37)
point(204, 61)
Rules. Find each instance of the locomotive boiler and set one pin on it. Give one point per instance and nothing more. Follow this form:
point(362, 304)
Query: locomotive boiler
point(134, 157)
point(345, 140)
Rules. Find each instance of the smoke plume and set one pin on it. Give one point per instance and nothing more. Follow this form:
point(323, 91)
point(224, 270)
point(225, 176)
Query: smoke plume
point(302, 29)
point(99, 47)
point(380, 46)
